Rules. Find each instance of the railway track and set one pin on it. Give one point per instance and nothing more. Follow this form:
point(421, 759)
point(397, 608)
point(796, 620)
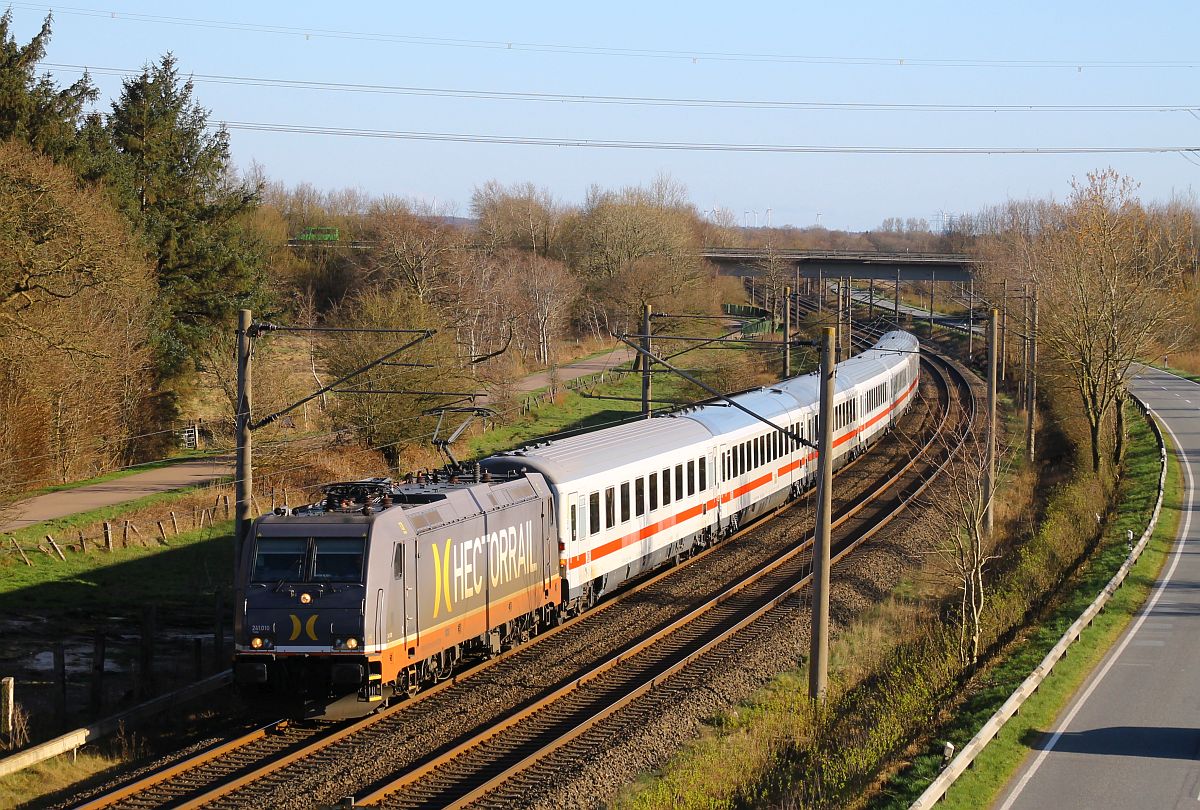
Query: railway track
point(251, 770)
point(504, 762)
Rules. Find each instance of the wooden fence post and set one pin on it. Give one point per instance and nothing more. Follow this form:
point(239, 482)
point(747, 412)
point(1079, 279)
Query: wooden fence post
point(97, 685)
point(226, 498)
point(82, 544)
point(125, 535)
point(174, 524)
point(60, 685)
point(219, 633)
point(108, 546)
point(57, 550)
point(162, 530)
point(20, 551)
point(7, 687)
point(146, 669)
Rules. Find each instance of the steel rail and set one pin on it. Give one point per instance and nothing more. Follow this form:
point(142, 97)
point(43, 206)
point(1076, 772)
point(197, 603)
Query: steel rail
point(208, 755)
point(221, 750)
point(431, 766)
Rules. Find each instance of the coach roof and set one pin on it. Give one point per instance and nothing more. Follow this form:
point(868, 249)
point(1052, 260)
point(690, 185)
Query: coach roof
point(598, 452)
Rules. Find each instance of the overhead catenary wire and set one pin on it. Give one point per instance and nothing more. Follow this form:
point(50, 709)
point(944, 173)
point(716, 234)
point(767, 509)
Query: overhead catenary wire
point(651, 101)
point(695, 146)
point(676, 54)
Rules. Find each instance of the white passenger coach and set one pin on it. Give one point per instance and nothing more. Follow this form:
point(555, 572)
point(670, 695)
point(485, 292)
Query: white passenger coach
point(631, 496)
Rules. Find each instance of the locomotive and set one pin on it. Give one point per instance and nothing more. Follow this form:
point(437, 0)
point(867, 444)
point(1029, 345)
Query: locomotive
point(383, 587)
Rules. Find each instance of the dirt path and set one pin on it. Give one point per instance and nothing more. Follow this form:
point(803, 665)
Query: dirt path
point(190, 473)
point(68, 502)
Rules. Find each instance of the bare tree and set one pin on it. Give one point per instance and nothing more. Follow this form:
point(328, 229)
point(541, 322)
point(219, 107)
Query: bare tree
point(953, 530)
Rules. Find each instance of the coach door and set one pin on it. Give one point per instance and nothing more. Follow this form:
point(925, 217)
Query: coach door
point(572, 531)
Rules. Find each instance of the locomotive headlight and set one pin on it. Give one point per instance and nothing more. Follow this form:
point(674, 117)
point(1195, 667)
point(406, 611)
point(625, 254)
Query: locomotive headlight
point(352, 643)
point(306, 598)
point(256, 643)
point(337, 643)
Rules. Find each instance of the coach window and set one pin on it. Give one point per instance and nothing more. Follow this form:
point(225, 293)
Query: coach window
point(639, 497)
point(678, 481)
point(610, 508)
point(594, 513)
point(574, 523)
point(691, 478)
point(703, 474)
point(625, 502)
point(744, 456)
point(653, 487)
point(666, 486)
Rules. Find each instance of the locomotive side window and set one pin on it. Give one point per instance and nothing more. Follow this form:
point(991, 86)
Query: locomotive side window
point(653, 487)
point(639, 497)
point(398, 561)
point(610, 508)
point(280, 559)
point(625, 502)
point(337, 559)
point(678, 481)
point(703, 475)
point(691, 477)
point(666, 486)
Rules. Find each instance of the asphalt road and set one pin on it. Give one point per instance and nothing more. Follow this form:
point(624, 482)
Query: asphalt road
point(1131, 736)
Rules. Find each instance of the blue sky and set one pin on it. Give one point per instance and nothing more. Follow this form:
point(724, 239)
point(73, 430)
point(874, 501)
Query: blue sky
point(847, 190)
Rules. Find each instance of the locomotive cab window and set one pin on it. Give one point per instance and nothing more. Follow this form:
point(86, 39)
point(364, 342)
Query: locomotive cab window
point(337, 559)
point(398, 561)
point(280, 559)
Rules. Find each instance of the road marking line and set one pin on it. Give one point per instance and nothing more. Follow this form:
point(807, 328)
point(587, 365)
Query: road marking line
point(1177, 553)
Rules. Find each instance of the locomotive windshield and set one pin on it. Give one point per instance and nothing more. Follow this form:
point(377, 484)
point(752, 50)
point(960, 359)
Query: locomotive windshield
point(309, 559)
point(337, 559)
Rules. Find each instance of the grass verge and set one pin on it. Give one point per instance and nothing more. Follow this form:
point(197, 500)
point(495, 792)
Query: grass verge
point(980, 785)
point(51, 776)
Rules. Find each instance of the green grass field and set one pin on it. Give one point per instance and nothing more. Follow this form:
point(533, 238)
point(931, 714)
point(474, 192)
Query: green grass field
point(999, 761)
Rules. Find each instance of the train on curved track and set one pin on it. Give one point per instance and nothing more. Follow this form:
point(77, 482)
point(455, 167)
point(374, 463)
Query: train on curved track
point(381, 588)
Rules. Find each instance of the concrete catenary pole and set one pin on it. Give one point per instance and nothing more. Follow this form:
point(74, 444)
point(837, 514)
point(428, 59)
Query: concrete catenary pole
point(244, 469)
point(849, 316)
point(820, 291)
point(989, 478)
point(897, 302)
point(971, 322)
point(1004, 333)
point(787, 332)
point(932, 284)
point(647, 385)
point(837, 339)
point(818, 662)
point(1031, 385)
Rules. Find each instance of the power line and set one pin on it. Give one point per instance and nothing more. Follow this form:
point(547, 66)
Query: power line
point(695, 55)
point(644, 101)
point(695, 146)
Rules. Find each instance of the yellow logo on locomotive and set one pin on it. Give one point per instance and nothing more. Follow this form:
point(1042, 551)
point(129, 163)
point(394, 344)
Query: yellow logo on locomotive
point(310, 627)
point(501, 557)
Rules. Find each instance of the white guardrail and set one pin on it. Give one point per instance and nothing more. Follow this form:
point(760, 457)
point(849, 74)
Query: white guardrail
point(72, 740)
point(966, 757)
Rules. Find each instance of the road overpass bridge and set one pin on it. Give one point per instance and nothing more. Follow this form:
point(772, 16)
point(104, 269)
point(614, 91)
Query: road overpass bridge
point(829, 264)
